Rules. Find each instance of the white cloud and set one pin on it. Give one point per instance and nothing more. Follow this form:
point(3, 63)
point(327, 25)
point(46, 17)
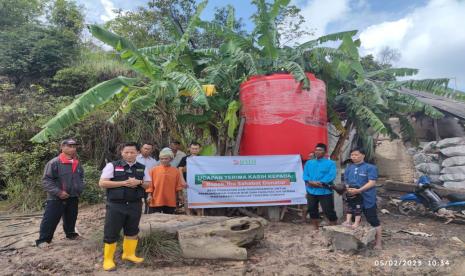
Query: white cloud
point(319, 13)
point(108, 6)
point(392, 33)
point(429, 38)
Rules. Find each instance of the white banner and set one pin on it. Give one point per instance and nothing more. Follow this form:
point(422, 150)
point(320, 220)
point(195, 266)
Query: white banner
point(235, 181)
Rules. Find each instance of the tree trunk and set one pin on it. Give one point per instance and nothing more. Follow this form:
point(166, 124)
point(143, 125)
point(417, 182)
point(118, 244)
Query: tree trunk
point(340, 143)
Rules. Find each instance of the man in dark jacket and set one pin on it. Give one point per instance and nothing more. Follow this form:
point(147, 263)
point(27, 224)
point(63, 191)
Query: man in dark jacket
point(63, 181)
point(125, 181)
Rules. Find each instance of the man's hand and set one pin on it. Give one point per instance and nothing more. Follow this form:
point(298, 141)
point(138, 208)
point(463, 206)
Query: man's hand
point(149, 197)
point(63, 195)
point(314, 184)
point(354, 191)
point(132, 182)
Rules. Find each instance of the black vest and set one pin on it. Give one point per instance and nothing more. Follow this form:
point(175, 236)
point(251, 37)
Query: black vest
point(121, 172)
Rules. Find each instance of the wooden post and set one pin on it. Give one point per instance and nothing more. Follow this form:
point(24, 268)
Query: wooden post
point(436, 131)
point(338, 204)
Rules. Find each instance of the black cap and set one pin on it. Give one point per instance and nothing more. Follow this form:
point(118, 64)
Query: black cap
point(69, 142)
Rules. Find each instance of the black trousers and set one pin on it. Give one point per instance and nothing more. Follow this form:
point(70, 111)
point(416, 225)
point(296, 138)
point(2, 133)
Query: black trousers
point(162, 209)
point(54, 211)
point(371, 215)
point(327, 204)
point(119, 216)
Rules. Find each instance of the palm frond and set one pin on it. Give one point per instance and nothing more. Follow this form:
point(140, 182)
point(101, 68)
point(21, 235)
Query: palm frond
point(297, 71)
point(193, 23)
point(406, 130)
point(397, 72)
point(158, 50)
point(127, 50)
point(88, 102)
point(207, 51)
point(231, 17)
point(336, 36)
point(190, 83)
point(265, 26)
point(364, 114)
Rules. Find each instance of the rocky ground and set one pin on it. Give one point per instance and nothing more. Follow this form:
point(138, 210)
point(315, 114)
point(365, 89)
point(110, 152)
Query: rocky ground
point(288, 249)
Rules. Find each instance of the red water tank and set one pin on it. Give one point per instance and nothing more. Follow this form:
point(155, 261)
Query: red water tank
point(280, 117)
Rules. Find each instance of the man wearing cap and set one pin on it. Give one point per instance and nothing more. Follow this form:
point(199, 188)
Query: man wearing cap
point(319, 174)
point(63, 181)
point(125, 181)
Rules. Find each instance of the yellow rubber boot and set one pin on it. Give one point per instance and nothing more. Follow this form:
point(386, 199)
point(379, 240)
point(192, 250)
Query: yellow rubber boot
point(108, 255)
point(129, 251)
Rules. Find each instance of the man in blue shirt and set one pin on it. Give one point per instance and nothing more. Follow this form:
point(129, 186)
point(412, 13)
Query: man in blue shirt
point(319, 173)
point(363, 176)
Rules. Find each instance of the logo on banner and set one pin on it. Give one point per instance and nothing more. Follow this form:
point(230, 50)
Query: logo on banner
point(245, 162)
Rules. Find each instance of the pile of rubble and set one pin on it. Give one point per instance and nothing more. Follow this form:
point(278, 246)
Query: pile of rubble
point(443, 162)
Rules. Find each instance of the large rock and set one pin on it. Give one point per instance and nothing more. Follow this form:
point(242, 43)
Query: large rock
point(451, 142)
point(428, 168)
point(207, 237)
point(346, 239)
point(454, 151)
point(454, 161)
point(221, 240)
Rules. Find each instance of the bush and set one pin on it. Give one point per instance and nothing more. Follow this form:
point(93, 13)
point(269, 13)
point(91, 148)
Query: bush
point(73, 81)
point(92, 194)
point(22, 174)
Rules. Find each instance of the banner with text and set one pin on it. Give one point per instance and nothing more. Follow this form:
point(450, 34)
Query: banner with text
point(235, 181)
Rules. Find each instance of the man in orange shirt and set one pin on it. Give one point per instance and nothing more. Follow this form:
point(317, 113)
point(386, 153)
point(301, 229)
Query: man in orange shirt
point(165, 186)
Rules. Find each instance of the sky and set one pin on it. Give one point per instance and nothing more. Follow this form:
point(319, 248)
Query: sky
point(427, 33)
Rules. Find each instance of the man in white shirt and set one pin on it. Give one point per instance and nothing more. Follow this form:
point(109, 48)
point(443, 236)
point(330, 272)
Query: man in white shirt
point(145, 156)
point(146, 159)
point(178, 155)
point(125, 181)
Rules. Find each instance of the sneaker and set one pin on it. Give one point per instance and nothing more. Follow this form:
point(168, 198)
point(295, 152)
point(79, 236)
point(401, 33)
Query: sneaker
point(43, 245)
point(74, 237)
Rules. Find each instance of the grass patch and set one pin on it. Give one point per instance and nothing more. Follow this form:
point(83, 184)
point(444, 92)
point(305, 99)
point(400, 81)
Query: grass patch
point(160, 245)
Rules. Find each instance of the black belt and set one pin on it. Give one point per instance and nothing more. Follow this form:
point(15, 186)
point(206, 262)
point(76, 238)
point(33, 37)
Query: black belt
point(122, 201)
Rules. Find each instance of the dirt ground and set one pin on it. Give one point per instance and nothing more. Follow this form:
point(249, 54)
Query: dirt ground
point(288, 249)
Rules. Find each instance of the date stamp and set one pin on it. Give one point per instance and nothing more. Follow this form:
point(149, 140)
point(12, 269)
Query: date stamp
point(412, 262)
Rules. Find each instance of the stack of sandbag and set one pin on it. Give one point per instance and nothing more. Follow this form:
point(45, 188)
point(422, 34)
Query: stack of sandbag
point(427, 162)
point(453, 165)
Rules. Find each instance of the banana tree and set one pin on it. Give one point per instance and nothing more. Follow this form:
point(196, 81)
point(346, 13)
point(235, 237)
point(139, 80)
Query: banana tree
point(162, 72)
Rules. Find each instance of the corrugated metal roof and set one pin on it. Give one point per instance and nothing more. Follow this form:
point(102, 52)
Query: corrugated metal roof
point(453, 107)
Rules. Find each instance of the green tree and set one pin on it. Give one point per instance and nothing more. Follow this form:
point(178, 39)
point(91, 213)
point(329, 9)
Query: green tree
point(32, 51)
point(67, 16)
point(171, 77)
point(15, 13)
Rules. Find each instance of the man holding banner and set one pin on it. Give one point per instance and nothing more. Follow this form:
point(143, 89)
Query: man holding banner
point(319, 174)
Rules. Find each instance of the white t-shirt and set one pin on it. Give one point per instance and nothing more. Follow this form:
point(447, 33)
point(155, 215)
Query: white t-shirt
point(108, 171)
point(149, 162)
point(177, 158)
